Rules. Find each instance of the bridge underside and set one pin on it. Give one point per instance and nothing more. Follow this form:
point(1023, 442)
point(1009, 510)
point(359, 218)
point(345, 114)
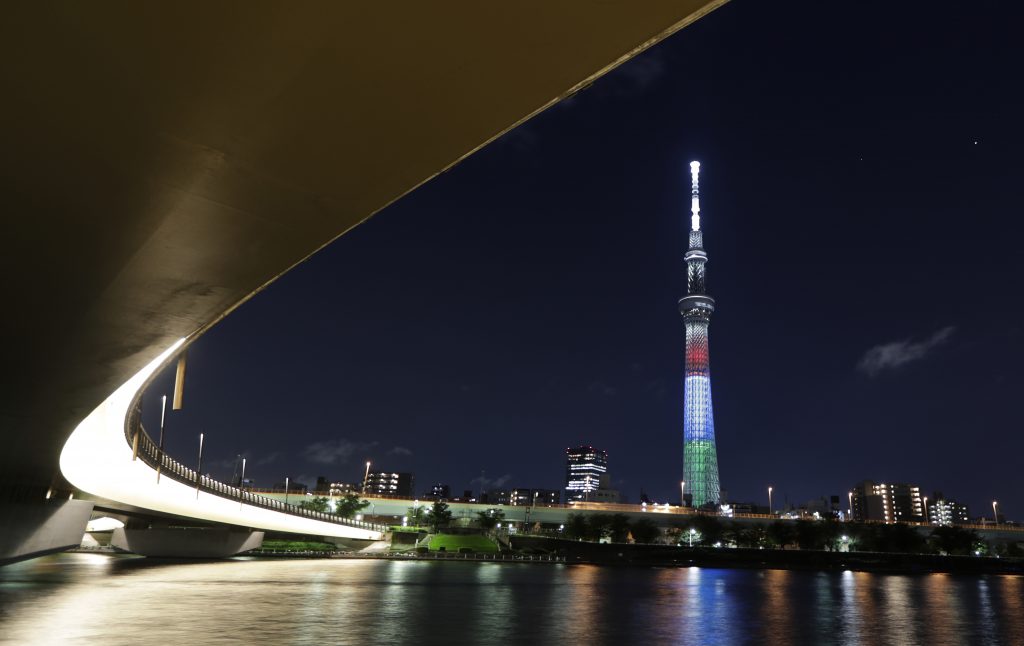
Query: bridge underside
point(162, 163)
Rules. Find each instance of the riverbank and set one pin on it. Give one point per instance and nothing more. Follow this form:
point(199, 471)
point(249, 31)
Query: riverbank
point(552, 551)
point(680, 556)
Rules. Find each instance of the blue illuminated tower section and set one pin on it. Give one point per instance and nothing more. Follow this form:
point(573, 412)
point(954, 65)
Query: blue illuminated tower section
point(700, 456)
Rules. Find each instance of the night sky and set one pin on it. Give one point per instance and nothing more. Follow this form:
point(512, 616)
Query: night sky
point(861, 179)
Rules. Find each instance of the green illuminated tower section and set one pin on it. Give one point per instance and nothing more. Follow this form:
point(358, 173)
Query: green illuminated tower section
point(700, 455)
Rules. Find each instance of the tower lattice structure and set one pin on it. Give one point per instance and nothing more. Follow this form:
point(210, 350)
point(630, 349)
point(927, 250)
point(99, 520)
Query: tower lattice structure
point(700, 455)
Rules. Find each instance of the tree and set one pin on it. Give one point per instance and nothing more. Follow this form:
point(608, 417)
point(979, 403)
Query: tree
point(810, 535)
point(710, 529)
point(598, 526)
point(953, 540)
point(488, 519)
point(781, 534)
point(576, 526)
point(831, 530)
point(440, 515)
point(315, 504)
point(417, 516)
point(349, 505)
point(645, 531)
point(751, 536)
point(618, 528)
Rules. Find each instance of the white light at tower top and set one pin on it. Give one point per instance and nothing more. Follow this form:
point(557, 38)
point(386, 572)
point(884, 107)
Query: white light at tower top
point(694, 196)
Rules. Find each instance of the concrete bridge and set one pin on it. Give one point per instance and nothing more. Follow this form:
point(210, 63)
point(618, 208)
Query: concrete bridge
point(150, 189)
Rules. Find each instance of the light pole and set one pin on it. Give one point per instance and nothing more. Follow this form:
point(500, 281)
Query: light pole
point(849, 496)
point(692, 532)
point(682, 493)
point(771, 512)
point(366, 476)
point(160, 453)
point(286, 490)
point(241, 486)
point(199, 467)
point(995, 512)
point(926, 510)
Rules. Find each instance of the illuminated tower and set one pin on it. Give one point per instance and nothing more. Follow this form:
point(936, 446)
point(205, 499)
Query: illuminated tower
point(700, 457)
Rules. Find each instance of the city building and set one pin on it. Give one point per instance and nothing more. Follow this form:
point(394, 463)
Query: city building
point(584, 466)
point(342, 488)
point(439, 491)
point(946, 512)
point(323, 486)
point(496, 497)
point(700, 454)
point(604, 492)
point(386, 483)
point(289, 486)
point(888, 503)
point(535, 497)
point(606, 495)
point(824, 507)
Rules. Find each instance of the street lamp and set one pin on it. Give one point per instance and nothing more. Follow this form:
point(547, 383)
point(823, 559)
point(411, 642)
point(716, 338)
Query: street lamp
point(366, 475)
point(692, 532)
point(770, 510)
point(160, 453)
point(241, 486)
point(995, 512)
point(849, 495)
point(926, 510)
point(199, 467)
point(682, 493)
point(286, 490)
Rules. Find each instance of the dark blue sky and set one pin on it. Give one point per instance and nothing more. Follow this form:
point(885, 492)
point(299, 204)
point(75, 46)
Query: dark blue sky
point(860, 193)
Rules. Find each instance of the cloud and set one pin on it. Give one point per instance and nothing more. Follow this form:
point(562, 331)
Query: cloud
point(250, 461)
point(605, 389)
point(399, 450)
point(893, 355)
point(485, 484)
point(335, 451)
point(638, 74)
point(267, 459)
point(522, 138)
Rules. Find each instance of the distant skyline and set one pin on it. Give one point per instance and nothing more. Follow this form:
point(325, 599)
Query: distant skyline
point(859, 190)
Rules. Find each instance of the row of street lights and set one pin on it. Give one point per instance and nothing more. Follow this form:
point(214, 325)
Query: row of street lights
point(366, 476)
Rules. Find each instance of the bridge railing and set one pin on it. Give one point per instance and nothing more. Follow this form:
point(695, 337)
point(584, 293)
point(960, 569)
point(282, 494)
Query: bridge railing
point(149, 452)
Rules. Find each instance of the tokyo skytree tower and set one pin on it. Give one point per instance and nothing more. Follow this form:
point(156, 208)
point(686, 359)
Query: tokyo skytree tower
point(700, 456)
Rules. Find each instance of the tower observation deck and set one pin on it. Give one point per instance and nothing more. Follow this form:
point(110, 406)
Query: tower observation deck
point(700, 455)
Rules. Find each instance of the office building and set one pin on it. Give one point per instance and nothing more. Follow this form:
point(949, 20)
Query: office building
point(584, 466)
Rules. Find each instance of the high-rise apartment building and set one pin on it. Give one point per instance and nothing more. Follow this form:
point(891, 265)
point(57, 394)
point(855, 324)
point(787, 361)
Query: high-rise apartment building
point(946, 512)
point(584, 466)
point(888, 503)
point(386, 483)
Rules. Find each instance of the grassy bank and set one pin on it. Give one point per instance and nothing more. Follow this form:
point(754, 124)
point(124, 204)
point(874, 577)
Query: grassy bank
point(458, 542)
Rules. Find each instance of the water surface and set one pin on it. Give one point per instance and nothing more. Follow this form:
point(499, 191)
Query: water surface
point(102, 599)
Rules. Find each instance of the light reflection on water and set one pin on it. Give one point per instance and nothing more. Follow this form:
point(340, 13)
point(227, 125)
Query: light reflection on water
point(83, 598)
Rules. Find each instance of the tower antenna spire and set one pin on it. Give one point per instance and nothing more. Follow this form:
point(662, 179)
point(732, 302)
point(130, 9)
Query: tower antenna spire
point(700, 452)
point(695, 195)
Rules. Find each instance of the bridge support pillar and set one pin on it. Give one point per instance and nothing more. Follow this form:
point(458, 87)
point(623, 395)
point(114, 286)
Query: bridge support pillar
point(33, 529)
point(187, 542)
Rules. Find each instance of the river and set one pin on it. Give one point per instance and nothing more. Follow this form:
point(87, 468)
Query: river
point(107, 599)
